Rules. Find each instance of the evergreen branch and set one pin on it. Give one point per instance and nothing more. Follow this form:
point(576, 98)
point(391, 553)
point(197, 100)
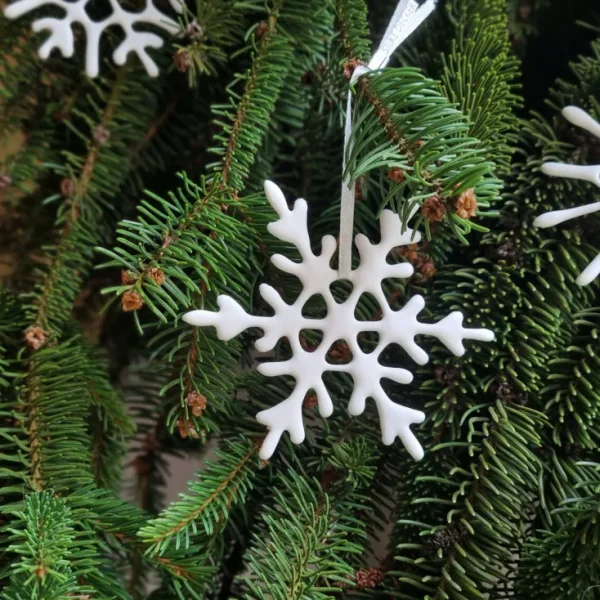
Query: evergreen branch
point(560, 558)
point(572, 404)
point(173, 245)
point(137, 152)
point(427, 141)
point(58, 554)
point(100, 172)
point(158, 243)
point(423, 138)
point(302, 555)
point(531, 326)
point(42, 537)
point(57, 413)
point(486, 509)
point(354, 28)
point(19, 67)
point(223, 485)
point(479, 75)
point(262, 88)
point(109, 422)
point(67, 246)
point(185, 573)
point(215, 26)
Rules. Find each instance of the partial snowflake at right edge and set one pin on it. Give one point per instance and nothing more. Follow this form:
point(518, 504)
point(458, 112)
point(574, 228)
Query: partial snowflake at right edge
point(307, 367)
point(590, 173)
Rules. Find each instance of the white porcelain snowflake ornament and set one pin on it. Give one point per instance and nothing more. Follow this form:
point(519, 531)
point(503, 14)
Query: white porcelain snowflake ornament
point(62, 38)
point(395, 327)
point(591, 173)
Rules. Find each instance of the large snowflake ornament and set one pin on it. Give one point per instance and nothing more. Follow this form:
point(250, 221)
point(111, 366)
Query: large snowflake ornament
point(590, 173)
point(307, 367)
point(62, 38)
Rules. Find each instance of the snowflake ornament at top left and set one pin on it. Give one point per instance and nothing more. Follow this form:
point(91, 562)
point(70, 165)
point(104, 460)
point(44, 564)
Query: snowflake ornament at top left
point(62, 37)
point(307, 367)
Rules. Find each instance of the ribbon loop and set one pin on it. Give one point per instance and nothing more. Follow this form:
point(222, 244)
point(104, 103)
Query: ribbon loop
point(406, 18)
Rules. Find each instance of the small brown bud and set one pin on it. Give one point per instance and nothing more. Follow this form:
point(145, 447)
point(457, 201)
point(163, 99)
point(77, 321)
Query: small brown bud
point(396, 175)
point(67, 187)
point(328, 477)
point(427, 270)
point(183, 60)
point(434, 209)
point(368, 578)
point(262, 28)
point(350, 67)
point(310, 401)
point(35, 337)
point(131, 300)
point(187, 429)
point(197, 402)
point(340, 352)
point(156, 275)
point(309, 78)
point(40, 572)
point(142, 465)
point(101, 135)
point(445, 539)
point(410, 253)
point(510, 253)
point(446, 374)
point(358, 188)
point(78, 596)
point(466, 204)
point(127, 278)
point(5, 181)
point(507, 393)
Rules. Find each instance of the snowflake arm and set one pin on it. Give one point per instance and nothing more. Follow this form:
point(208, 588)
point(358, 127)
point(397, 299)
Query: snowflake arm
point(314, 271)
point(591, 173)
point(340, 323)
point(61, 32)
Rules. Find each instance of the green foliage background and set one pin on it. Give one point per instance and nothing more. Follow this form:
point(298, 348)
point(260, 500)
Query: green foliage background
point(125, 201)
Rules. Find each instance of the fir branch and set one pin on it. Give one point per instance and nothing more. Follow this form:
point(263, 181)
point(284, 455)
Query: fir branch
point(429, 144)
point(173, 244)
point(423, 141)
point(42, 537)
point(572, 404)
point(57, 412)
point(561, 558)
point(223, 485)
point(110, 424)
point(99, 171)
point(262, 87)
point(354, 28)
point(67, 246)
point(303, 554)
point(485, 511)
point(480, 74)
point(166, 242)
